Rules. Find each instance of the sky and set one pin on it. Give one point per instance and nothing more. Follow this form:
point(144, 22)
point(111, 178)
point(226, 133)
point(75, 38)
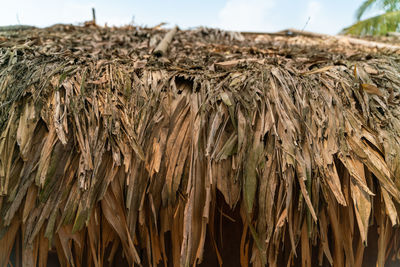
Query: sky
point(322, 16)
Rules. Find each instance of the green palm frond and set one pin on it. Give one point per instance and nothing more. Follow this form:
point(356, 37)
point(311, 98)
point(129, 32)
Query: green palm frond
point(378, 25)
point(391, 5)
point(364, 7)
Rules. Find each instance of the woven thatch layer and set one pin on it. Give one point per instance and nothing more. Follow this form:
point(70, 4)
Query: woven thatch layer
point(103, 146)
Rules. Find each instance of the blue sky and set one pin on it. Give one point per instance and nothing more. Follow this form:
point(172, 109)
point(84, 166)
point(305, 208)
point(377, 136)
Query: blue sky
point(323, 16)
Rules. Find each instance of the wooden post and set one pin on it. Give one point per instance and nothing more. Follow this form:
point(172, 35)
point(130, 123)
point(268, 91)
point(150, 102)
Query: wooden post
point(94, 16)
point(162, 47)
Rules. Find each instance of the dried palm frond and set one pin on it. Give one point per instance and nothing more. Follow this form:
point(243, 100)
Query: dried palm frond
point(108, 152)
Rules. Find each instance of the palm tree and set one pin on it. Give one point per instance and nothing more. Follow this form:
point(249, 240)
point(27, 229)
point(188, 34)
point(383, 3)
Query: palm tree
point(389, 21)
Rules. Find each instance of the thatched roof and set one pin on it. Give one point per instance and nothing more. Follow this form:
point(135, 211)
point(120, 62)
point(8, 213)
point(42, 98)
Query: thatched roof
point(105, 146)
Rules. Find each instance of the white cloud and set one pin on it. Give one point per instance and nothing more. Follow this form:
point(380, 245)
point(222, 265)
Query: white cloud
point(47, 12)
point(313, 9)
point(320, 19)
point(313, 16)
point(245, 15)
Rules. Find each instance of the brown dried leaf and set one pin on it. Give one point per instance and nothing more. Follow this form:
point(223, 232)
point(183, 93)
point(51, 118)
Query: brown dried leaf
point(371, 89)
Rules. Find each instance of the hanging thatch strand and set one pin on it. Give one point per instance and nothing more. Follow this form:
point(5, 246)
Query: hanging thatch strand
point(105, 150)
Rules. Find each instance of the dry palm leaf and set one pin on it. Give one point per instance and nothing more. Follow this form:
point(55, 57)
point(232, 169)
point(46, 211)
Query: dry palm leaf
point(109, 154)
